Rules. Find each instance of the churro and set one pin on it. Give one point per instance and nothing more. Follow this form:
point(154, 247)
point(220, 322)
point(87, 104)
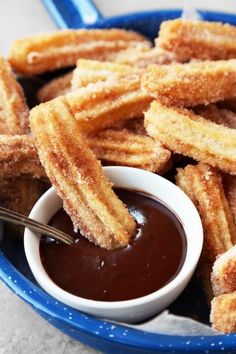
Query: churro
point(223, 313)
point(123, 147)
point(203, 185)
point(230, 192)
point(218, 115)
point(18, 156)
point(181, 131)
point(191, 84)
point(73, 169)
point(14, 111)
point(49, 51)
point(224, 273)
point(198, 39)
point(56, 87)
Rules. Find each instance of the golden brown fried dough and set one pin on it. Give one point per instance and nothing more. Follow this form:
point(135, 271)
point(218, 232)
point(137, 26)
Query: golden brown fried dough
point(191, 84)
point(13, 109)
point(58, 49)
point(218, 115)
point(56, 87)
point(223, 313)
point(198, 39)
point(77, 175)
point(181, 131)
point(230, 192)
point(123, 147)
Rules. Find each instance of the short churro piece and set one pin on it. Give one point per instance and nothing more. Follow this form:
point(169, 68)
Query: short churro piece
point(56, 87)
point(144, 58)
point(123, 147)
point(203, 185)
point(104, 104)
point(77, 175)
point(92, 71)
point(191, 84)
point(59, 49)
point(218, 115)
point(230, 192)
point(181, 131)
point(198, 39)
point(223, 313)
point(13, 109)
point(18, 156)
point(224, 273)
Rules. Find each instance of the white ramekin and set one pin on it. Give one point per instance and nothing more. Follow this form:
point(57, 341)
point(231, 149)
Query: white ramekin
point(134, 310)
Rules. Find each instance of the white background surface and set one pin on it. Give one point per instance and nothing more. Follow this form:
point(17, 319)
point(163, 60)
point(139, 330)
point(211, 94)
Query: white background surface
point(21, 330)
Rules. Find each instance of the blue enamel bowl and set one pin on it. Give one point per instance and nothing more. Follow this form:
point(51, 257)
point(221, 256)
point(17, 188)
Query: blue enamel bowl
point(14, 271)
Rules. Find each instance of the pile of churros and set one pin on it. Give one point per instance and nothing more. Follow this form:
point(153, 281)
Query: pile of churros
point(126, 102)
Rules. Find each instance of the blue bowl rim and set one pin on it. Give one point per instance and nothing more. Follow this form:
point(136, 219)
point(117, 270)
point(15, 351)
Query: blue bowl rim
point(43, 302)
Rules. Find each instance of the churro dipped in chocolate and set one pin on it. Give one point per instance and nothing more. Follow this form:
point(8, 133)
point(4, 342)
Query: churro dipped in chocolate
point(181, 131)
point(59, 49)
point(198, 39)
point(191, 84)
point(14, 111)
point(123, 147)
point(77, 175)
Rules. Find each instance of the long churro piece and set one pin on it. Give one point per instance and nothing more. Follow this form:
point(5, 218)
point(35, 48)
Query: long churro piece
point(198, 39)
point(92, 71)
point(223, 313)
point(14, 111)
point(203, 185)
point(18, 156)
point(123, 147)
point(56, 87)
point(217, 115)
point(230, 192)
point(49, 51)
point(224, 273)
point(73, 169)
point(104, 104)
point(181, 131)
point(191, 84)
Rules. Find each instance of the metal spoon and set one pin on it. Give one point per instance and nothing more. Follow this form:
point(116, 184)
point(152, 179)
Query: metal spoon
point(16, 218)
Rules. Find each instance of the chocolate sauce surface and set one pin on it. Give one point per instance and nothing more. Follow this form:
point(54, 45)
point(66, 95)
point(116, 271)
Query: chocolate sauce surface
point(153, 257)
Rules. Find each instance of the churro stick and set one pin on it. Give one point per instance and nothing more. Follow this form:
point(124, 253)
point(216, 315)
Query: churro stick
point(92, 71)
point(18, 156)
point(203, 185)
point(14, 111)
point(123, 147)
point(56, 87)
point(181, 131)
point(105, 104)
point(142, 59)
point(198, 39)
point(49, 51)
point(218, 115)
point(77, 175)
point(224, 273)
point(230, 192)
point(223, 313)
point(191, 84)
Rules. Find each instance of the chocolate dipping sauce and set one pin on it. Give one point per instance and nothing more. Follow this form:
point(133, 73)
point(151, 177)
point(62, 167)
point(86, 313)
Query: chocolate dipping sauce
point(154, 256)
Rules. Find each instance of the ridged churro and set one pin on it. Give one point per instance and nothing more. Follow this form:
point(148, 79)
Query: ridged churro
point(77, 175)
point(56, 87)
point(18, 156)
point(14, 111)
point(92, 71)
point(198, 39)
point(230, 192)
point(224, 273)
point(218, 115)
point(191, 84)
point(49, 51)
point(126, 148)
point(223, 313)
point(104, 104)
point(203, 185)
point(181, 131)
